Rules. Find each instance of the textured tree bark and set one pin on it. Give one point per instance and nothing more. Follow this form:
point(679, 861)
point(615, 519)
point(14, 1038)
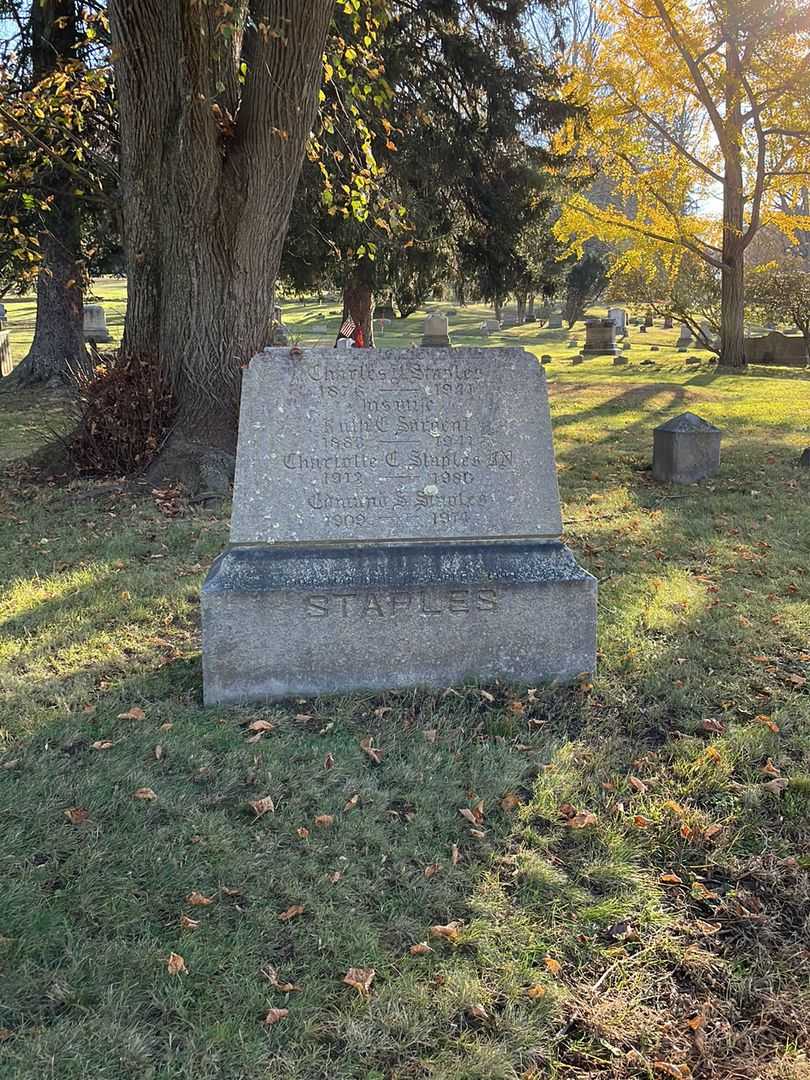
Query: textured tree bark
point(732, 282)
point(358, 301)
point(209, 168)
point(58, 345)
point(521, 298)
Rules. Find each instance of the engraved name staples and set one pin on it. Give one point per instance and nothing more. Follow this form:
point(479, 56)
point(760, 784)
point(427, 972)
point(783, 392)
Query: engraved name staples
point(383, 604)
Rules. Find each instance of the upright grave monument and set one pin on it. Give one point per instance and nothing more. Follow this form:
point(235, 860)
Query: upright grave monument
point(396, 522)
point(600, 337)
point(6, 359)
point(95, 324)
point(435, 332)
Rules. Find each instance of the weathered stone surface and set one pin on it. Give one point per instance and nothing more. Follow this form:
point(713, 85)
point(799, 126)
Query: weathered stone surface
point(284, 621)
point(396, 522)
point(686, 449)
point(554, 322)
point(600, 338)
point(6, 360)
point(620, 361)
point(3, 317)
point(394, 444)
point(684, 337)
point(95, 324)
point(776, 348)
point(668, 324)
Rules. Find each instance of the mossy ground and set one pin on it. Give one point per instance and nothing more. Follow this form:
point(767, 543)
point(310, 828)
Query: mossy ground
point(667, 936)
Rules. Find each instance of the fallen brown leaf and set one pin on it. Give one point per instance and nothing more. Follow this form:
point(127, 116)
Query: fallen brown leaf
point(477, 1012)
point(274, 1015)
point(279, 984)
point(197, 899)
point(536, 991)
point(302, 832)
point(776, 786)
point(449, 931)
point(328, 761)
point(260, 725)
point(432, 870)
point(455, 855)
point(187, 923)
point(77, 815)
point(641, 822)
point(374, 752)
point(135, 713)
point(262, 806)
point(324, 821)
point(637, 785)
point(509, 802)
point(335, 877)
point(421, 948)
point(352, 803)
point(769, 769)
point(670, 879)
point(582, 820)
point(708, 928)
point(291, 913)
point(144, 793)
point(360, 978)
point(176, 965)
point(101, 744)
point(679, 1072)
point(552, 965)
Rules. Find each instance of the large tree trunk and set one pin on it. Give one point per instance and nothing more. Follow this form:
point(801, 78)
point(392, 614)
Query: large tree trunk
point(521, 297)
point(732, 287)
point(209, 169)
point(58, 345)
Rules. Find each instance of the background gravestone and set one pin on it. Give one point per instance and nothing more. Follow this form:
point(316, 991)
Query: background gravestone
point(600, 338)
point(3, 317)
point(435, 332)
point(95, 324)
point(776, 348)
point(6, 360)
point(396, 522)
point(686, 449)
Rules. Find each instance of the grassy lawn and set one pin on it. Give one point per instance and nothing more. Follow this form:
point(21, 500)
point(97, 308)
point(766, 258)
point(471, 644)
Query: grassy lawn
point(632, 895)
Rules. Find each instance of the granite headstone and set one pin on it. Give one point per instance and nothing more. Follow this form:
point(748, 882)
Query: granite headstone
point(686, 449)
point(6, 360)
point(95, 324)
point(396, 522)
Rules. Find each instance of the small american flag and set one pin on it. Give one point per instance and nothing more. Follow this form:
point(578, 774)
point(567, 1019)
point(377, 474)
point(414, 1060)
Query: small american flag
point(347, 328)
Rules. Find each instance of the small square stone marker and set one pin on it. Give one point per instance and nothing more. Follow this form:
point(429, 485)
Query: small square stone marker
point(396, 522)
point(686, 449)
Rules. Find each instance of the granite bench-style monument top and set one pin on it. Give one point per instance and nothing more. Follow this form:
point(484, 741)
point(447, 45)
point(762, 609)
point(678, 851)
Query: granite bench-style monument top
point(394, 445)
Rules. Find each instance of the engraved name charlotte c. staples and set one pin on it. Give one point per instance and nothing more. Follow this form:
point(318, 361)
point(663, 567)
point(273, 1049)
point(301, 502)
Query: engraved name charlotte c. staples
point(391, 604)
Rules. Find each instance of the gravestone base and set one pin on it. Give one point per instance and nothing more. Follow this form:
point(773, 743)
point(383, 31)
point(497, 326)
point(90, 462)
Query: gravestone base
point(435, 341)
point(281, 621)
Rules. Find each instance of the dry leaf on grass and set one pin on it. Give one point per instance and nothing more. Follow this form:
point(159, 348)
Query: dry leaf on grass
point(421, 948)
point(477, 1012)
point(670, 879)
point(432, 870)
point(197, 899)
point(641, 822)
point(666, 1068)
point(474, 815)
point(535, 992)
point(374, 752)
point(448, 931)
point(77, 815)
point(361, 979)
point(328, 761)
point(262, 806)
point(176, 965)
point(777, 786)
point(325, 821)
point(278, 983)
point(455, 855)
point(708, 928)
point(144, 793)
point(188, 923)
point(552, 965)
point(101, 744)
point(274, 1015)
point(291, 913)
point(352, 803)
point(260, 726)
point(509, 802)
point(135, 713)
point(637, 785)
point(302, 832)
point(583, 820)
